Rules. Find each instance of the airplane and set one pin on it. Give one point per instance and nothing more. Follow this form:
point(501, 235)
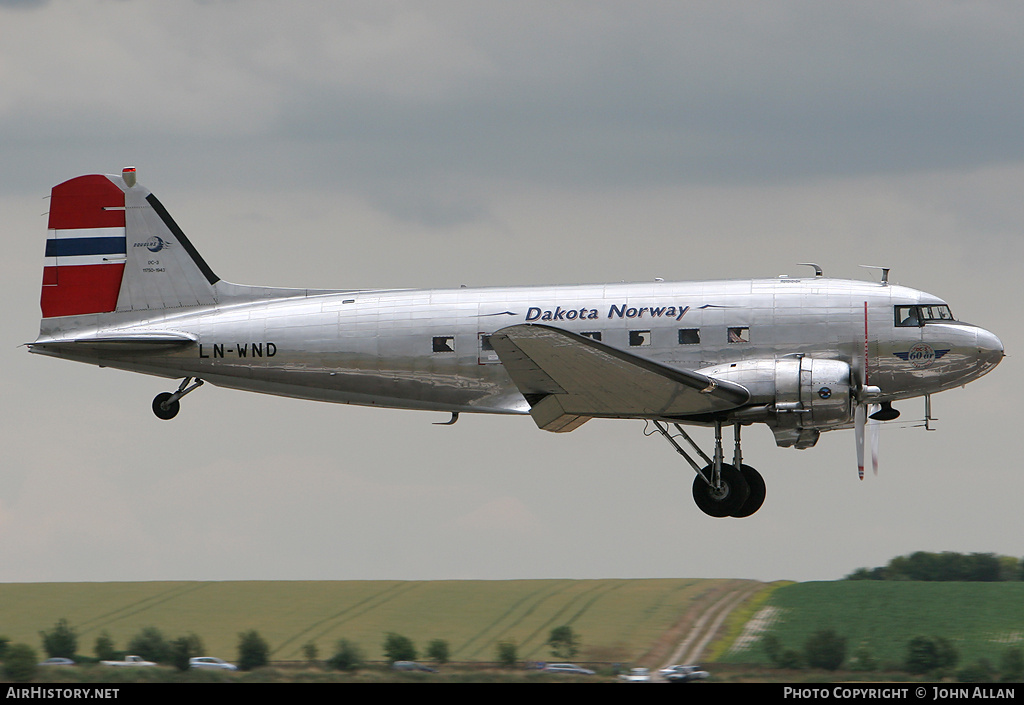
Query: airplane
point(123, 287)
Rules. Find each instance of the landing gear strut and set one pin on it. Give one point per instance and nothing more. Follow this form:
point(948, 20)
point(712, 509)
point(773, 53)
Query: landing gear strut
point(720, 489)
point(165, 404)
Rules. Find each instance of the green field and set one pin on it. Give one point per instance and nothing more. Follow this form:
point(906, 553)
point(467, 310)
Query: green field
point(618, 620)
point(981, 619)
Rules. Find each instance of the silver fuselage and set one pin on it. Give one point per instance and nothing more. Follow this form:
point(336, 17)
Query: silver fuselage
point(427, 349)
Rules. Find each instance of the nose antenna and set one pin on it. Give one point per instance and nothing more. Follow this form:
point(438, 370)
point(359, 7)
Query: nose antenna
point(885, 272)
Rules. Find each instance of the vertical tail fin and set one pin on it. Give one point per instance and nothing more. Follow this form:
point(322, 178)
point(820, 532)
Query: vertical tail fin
point(112, 247)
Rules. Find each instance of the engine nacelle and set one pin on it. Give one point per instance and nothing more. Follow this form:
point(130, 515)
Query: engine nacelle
point(798, 396)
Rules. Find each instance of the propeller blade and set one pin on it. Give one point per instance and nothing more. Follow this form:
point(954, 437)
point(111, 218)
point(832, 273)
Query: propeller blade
point(859, 417)
point(874, 427)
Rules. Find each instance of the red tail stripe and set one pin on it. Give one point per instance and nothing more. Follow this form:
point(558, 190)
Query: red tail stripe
point(80, 203)
point(80, 289)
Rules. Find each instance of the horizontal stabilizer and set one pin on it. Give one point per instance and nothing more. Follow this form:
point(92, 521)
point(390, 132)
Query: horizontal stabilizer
point(127, 342)
point(568, 378)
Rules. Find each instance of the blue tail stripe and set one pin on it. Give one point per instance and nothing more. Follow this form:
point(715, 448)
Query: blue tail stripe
point(69, 247)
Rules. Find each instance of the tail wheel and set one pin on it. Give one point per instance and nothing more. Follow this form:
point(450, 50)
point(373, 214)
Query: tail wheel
point(163, 409)
point(757, 492)
point(725, 500)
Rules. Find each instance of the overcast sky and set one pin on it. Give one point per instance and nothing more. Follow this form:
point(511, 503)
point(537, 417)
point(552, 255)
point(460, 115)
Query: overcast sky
point(433, 144)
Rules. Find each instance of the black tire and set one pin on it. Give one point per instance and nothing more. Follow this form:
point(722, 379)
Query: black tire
point(728, 499)
point(167, 412)
point(757, 492)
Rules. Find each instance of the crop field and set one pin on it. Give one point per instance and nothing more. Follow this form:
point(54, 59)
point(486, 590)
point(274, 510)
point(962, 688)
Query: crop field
point(980, 619)
point(617, 620)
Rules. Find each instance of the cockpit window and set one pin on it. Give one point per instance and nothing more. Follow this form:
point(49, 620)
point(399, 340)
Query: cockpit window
point(909, 316)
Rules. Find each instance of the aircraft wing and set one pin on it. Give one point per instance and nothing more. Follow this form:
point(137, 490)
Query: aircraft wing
point(569, 379)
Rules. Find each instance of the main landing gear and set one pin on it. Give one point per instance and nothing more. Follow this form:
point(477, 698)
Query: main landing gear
point(720, 489)
point(165, 404)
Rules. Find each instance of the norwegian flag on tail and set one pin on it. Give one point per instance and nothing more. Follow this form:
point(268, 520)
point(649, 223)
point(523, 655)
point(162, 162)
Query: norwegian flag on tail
point(85, 247)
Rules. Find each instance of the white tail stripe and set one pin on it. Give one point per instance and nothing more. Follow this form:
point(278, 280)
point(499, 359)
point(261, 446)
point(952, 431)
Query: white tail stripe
point(73, 260)
point(85, 232)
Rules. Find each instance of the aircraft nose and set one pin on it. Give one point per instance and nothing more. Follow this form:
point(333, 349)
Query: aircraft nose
point(990, 348)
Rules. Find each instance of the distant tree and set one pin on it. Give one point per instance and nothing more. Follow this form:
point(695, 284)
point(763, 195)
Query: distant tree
point(184, 648)
point(860, 574)
point(946, 653)
point(564, 642)
point(789, 659)
point(981, 671)
point(310, 652)
point(507, 654)
point(4, 643)
point(1009, 569)
point(62, 642)
point(780, 657)
point(863, 660)
point(825, 649)
point(20, 663)
point(921, 656)
point(984, 567)
point(925, 655)
point(347, 657)
point(151, 645)
point(437, 651)
point(773, 648)
point(1011, 666)
point(253, 650)
point(104, 647)
point(179, 651)
point(398, 648)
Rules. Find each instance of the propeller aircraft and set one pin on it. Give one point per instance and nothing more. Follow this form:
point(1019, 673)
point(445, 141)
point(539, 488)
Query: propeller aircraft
point(124, 287)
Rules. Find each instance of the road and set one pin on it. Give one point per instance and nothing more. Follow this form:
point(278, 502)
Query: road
point(701, 623)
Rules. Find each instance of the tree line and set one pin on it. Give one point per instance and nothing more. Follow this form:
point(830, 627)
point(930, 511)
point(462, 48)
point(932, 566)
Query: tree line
point(946, 566)
point(935, 657)
point(20, 660)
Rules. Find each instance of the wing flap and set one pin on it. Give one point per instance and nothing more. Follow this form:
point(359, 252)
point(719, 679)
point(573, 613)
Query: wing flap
point(569, 378)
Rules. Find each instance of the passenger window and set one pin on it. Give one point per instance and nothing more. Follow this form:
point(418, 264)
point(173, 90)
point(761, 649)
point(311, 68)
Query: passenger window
point(689, 336)
point(739, 335)
point(639, 338)
point(593, 335)
point(444, 343)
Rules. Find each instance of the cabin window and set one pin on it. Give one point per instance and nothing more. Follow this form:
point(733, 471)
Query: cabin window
point(907, 317)
point(444, 343)
point(689, 336)
point(739, 334)
point(592, 334)
point(639, 338)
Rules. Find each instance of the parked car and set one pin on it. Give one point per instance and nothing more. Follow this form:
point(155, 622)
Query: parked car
point(683, 674)
point(129, 661)
point(567, 668)
point(412, 666)
point(636, 675)
point(57, 661)
point(211, 662)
